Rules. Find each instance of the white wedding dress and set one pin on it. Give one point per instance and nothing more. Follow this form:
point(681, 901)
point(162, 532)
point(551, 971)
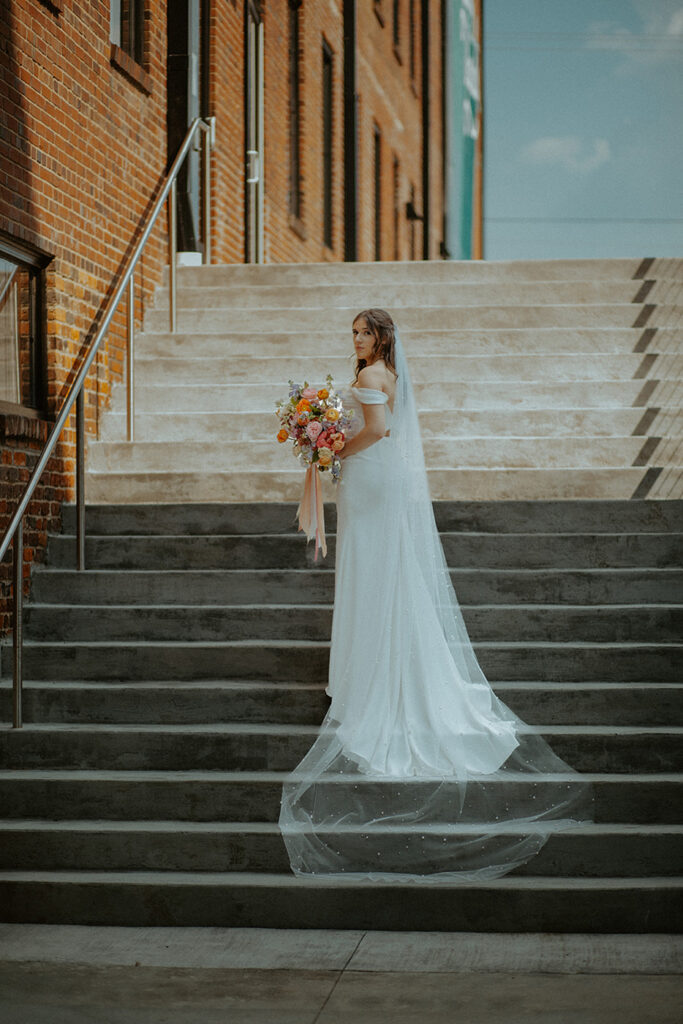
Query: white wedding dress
point(419, 772)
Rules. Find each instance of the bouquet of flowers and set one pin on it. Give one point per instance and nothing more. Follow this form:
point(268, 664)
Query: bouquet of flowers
point(315, 420)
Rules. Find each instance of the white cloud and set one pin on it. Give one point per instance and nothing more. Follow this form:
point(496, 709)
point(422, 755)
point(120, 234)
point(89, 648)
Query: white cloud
point(658, 41)
point(568, 152)
point(675, 26)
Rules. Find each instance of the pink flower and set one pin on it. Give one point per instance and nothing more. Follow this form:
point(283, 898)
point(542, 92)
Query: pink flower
point(309, 393)
point(323, 441)
point(314, 429)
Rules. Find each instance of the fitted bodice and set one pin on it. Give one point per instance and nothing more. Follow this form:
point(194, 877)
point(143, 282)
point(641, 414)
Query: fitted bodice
point(356, 398)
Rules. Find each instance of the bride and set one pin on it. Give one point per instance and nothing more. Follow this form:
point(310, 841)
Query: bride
point(419, 772)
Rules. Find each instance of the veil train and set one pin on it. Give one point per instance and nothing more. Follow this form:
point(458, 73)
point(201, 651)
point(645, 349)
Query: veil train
point(419, 771)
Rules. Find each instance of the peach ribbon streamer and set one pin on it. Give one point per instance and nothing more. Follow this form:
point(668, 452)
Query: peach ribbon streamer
point(311, 511)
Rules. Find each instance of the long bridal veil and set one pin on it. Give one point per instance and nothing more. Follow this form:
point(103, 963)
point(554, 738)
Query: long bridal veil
point(419, 772)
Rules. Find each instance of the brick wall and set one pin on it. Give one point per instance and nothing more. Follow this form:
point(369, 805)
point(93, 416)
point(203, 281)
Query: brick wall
point(83, 149)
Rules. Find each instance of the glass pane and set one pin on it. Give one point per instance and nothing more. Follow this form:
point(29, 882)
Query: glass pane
point(19, 351)
point(10, 388)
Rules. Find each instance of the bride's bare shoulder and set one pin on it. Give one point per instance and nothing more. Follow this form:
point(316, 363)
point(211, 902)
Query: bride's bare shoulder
point(375, 376)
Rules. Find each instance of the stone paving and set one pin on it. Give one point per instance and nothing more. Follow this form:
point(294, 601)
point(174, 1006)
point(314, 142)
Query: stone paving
point(104, 975)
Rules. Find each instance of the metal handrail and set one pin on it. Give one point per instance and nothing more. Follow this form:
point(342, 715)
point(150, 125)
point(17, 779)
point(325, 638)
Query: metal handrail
point(75, 393)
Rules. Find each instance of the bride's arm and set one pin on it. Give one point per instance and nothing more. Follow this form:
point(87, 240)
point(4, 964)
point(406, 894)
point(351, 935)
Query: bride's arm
point(373, 430)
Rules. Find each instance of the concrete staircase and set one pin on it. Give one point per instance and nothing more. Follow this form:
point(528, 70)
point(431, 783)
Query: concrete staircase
point(540, 379)
point(173, 683)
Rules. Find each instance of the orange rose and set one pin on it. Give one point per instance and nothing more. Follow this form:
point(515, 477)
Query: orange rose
point(338, 445)
point(303, 406)
point(332, 415)
point(324, 456)
point(282, 435)
point(323, 394)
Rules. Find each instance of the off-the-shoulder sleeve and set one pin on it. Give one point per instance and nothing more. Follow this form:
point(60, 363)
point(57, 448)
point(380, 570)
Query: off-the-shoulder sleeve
point(369, 396)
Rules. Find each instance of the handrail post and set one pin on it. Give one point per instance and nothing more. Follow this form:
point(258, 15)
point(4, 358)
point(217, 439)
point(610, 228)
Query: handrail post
point(80, 480)
point(172, 241)
point(207, 195)
point(168, 194)
point(130, 363)
point(17, 625)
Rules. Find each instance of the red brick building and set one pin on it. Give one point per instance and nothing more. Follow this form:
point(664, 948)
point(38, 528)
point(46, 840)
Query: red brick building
point(329, 143)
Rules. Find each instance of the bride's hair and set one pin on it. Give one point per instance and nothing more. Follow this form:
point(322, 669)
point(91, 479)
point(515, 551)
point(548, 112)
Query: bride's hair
point(383, 328)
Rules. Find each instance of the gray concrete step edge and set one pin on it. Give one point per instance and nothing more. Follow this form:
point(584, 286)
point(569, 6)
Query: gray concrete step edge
point(271, 828)
point(508, 515)
point(275, 901)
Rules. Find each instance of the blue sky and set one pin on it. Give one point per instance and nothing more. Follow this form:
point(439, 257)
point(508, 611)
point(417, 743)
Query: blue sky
point(583, 136)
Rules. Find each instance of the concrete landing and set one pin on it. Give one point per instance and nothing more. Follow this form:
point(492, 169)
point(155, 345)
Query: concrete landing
point(74, 975)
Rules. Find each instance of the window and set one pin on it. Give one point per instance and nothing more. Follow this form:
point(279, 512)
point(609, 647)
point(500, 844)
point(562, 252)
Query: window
point(294, 111)
point(397, 207)
point(396, 32)
point(127, 36)
point(327, 144)
point(378, 192)
point(127, 27)
point(22, 350)
point(413, 255)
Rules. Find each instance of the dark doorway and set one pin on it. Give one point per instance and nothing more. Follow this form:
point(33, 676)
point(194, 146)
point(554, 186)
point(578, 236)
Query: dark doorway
point(187, 21)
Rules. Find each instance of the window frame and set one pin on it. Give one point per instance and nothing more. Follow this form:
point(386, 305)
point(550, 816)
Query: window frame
point(328, 142)
point(33, 405)
point(134, 65)
point(377, 172)
point(396, 167)
point(296, 198)
point(396, 37)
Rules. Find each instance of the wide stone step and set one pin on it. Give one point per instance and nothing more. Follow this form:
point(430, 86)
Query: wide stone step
point(606, 623)
point(252, 426)
point(472, 484)
point(75, 845)
point(443, 453)
point(179, 702)
point(370, 272)
point(245, 795)
point(338, 320)
point(278, 551)
point(419, 341)
point(396, 295)
point(301, 586)
point(582, 516)
point(264, 747)
point(281, 901)
point(428, 370)
point(277, 661)
point(451, 397)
